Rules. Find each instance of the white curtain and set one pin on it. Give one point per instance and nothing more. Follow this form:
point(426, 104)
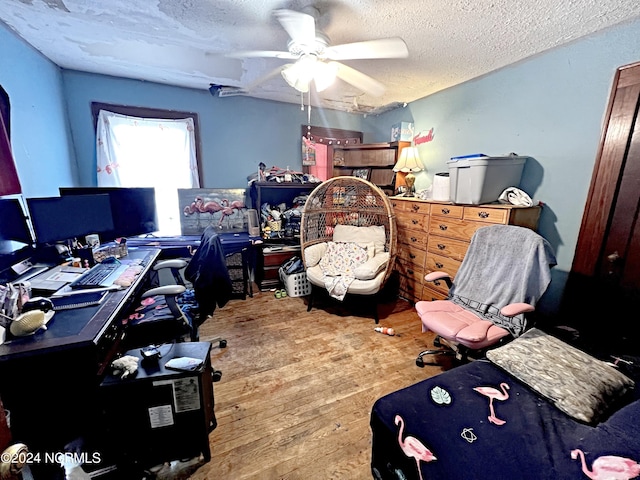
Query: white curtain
point(148, 152)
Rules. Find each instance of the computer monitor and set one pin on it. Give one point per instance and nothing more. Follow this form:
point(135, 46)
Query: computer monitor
point(134, 209)
point(13, 222)
point(56, 219)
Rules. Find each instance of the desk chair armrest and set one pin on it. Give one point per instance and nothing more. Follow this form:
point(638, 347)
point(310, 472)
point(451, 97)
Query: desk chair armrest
point(175, 265)
point(167, 290)
point(514, 309)
point(171, 263)
point(434, 276)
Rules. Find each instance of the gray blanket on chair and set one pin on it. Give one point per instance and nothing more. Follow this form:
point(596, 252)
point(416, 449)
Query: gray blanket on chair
point(504, 264)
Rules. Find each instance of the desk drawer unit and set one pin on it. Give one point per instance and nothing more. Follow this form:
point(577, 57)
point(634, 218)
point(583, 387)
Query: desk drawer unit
point(435, 236)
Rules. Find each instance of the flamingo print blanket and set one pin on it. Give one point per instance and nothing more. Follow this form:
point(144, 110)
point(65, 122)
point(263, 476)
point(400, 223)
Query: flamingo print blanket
point(338, 265)
point(477, 422)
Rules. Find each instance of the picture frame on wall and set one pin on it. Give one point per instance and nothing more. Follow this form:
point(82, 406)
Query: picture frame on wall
point(363, 173)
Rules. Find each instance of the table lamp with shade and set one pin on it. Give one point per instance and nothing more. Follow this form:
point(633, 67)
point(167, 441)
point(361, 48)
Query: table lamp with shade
point(408, 163)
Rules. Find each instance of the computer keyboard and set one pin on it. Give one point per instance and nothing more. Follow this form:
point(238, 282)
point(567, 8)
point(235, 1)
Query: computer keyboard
point(100, 275)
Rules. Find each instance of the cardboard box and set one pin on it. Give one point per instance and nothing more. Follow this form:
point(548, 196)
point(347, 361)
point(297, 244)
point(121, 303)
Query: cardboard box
point(477, 179)
point(402, 132)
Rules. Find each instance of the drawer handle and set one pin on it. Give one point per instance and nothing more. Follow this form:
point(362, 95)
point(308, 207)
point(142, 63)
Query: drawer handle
point(394, 204)
point(414, 239)
point(441, 246)
point(410, 272)
point(415, 207)
point(483, 214)
point(412, 256)
point(437, 282)
point(439, 265)
point(442, 227)
point(414, 221)
point(446, 211)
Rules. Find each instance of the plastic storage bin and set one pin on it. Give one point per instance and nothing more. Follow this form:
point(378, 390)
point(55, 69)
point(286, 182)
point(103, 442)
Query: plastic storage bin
point(295, 284)
point(477, 179)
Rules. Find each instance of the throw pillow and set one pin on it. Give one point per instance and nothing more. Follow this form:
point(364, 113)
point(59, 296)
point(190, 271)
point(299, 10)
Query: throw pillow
point(361, 235)
point(372, 267)
point(314, 253)
point(578, 384)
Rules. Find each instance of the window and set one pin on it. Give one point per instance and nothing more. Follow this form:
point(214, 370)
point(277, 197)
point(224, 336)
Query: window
point(148, 148)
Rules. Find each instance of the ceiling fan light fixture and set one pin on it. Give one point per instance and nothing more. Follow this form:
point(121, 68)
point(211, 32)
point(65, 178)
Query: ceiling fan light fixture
point(296, 76)
point(309, 68)
point(324, 75)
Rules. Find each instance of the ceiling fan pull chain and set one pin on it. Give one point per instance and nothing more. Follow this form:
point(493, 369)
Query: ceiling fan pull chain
point(309, 109)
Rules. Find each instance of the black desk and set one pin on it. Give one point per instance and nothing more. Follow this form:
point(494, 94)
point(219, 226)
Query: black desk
point(50, 379)
point(162, 414)
point(238, 248)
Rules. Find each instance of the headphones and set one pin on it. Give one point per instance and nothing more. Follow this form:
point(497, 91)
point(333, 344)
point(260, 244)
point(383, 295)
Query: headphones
point(35, 315)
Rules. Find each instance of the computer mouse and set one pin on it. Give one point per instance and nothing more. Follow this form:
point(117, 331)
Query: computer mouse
point(110, 259)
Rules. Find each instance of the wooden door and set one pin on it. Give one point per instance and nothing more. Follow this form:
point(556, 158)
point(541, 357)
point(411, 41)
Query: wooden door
point(604, 283)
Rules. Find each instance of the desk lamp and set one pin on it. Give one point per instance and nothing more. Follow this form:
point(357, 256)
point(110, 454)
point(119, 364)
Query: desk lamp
point(409, 162)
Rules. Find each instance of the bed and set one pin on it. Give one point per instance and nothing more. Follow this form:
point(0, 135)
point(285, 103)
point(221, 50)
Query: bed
point(535, 408)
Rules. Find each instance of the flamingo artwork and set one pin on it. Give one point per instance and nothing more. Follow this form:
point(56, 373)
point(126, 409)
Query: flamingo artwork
point(494, 394)
point(226, 211)
point(412, 447)
point(608, 467)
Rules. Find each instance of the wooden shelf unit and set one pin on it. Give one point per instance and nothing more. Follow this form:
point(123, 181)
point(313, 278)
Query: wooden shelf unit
point(379, 158)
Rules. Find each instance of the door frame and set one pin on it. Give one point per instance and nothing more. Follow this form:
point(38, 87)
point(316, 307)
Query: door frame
point(607, 173)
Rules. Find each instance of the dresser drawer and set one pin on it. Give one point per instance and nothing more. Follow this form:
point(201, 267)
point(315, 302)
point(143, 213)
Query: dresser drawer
point(450, 227)
point(439, 263)
point(410, 288)
point(486, 215)
point(412, 238)
point(410, 270)
point(414, 254)
point(448, 247)
point(432, 292)
point(412, 221)
point(450, 211)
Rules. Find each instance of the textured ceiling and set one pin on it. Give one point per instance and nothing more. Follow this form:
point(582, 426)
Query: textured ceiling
point(184, 42)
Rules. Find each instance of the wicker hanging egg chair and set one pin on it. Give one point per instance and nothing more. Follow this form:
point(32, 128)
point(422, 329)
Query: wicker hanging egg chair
point(342, 211)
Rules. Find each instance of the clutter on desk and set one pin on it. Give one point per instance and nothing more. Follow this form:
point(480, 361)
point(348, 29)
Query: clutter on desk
point(184, 364)
point(125, 366)
point(21, 315)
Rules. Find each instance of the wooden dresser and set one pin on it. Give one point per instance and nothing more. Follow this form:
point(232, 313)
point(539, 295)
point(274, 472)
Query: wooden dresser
point(435, 236)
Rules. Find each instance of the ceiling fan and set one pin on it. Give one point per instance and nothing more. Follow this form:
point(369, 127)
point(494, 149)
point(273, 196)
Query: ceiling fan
point(319, 62)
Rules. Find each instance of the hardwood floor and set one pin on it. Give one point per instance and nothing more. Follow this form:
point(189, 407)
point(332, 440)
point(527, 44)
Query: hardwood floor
point(297, 388)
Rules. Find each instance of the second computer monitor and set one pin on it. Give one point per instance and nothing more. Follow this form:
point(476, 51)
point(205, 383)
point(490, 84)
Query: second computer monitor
point(134, 209)
point(58, 219)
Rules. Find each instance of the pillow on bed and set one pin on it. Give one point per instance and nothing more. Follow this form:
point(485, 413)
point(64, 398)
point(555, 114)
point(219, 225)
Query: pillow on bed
point(578, 384)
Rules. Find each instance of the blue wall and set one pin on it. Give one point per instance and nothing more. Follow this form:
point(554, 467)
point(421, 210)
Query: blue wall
point(237, 133)
point(40, 138)
point(549, 107)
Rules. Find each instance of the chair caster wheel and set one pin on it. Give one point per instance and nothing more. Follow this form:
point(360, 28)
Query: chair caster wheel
point(216, 375)
point(420, 362)
point(223, 344)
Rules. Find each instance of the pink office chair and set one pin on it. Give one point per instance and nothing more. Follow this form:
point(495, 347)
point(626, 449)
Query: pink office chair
point(504, 273)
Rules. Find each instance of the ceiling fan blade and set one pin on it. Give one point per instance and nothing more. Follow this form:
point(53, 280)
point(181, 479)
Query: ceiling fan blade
point(262, 53)
point(393, 47)
point(265, 77)
point(359, 79)
point(301, 27)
